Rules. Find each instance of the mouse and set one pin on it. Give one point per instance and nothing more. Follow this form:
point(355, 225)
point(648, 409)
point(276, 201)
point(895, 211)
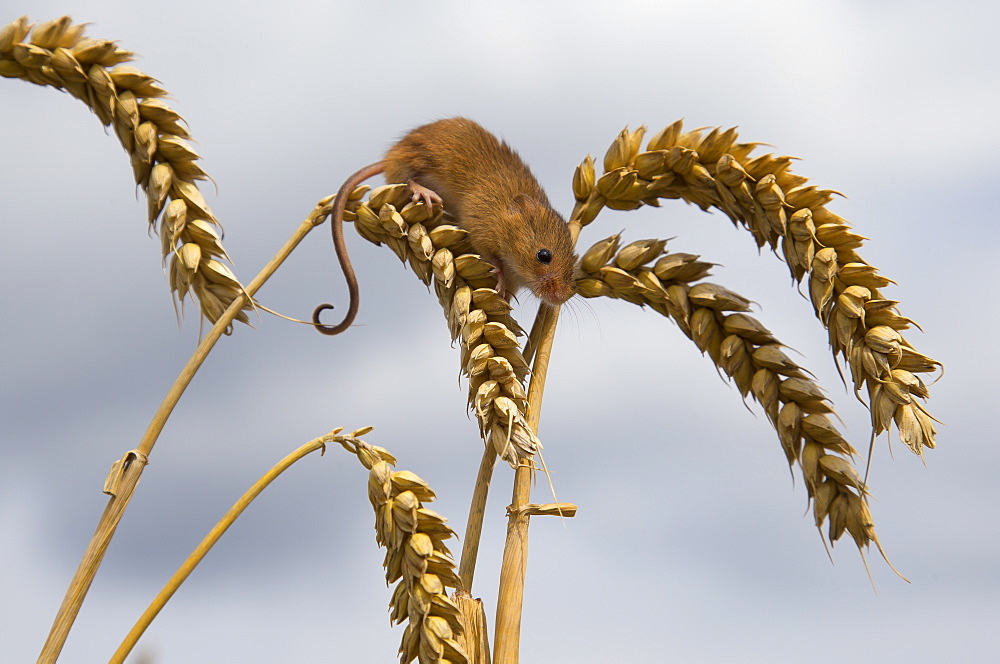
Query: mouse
point(494, 197)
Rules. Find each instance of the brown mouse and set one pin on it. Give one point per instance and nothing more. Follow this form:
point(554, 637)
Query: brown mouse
point(492, 194)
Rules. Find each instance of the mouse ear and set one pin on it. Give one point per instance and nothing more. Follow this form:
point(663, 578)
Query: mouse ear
point(523, 203)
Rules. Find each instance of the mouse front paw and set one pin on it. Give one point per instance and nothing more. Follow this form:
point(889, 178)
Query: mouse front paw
point(422, 193)
point(498, 271)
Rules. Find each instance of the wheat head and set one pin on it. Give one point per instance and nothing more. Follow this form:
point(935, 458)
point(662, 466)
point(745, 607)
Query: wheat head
point(782, 211)
point(56, 53)
point(715, 318)
point(416, 557)
point(779, 209)
point(477, 316)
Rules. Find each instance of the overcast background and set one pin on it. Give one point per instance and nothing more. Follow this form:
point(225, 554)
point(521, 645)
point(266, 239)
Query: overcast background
point(692, 544)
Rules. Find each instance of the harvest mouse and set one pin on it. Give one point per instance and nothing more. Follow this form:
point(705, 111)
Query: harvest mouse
point(484, 184)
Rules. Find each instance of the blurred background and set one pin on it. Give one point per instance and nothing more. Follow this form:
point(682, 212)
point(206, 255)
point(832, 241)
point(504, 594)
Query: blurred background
point(692, 543)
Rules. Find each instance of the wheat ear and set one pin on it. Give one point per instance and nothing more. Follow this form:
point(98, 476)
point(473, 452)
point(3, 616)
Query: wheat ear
point(415, 556)
point(781, 210)
point(715, 318)
point(439, 253)
point(477, 316)
point(56, 53)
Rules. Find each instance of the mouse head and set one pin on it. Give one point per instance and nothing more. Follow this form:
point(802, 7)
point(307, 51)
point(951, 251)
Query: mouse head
point(542, 254)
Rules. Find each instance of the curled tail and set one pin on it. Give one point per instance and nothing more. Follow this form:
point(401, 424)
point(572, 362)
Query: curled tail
point(337, 230)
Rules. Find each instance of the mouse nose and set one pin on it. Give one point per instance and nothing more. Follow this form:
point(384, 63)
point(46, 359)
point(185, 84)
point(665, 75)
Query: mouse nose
point(553, 290)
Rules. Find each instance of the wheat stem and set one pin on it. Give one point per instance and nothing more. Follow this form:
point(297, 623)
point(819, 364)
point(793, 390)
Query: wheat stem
point(132, 471)
point(92, 557)
point(209, 541)
point(537, 329)
point(474, 526)
point(507, 632)
point(475, 638)
point(316, 217)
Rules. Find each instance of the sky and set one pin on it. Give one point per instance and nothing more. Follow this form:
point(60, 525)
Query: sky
point(692, 543)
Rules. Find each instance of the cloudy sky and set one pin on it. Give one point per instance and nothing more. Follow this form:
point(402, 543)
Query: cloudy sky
point(692, 544)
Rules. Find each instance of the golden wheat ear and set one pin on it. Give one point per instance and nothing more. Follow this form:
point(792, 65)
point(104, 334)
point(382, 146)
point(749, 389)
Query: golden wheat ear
point(439, 253)
point(716, 319)
point(416, 557)
point(781, 210)
point(166, 167)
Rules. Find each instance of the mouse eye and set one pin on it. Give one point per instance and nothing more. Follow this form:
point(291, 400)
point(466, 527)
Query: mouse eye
point(544, 256)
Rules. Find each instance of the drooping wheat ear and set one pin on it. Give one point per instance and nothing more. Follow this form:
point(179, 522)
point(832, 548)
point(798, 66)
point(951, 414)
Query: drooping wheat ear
point(477, 316)
point(779, 208)
point(715, 319)
point(165, 166)
point(415, 556)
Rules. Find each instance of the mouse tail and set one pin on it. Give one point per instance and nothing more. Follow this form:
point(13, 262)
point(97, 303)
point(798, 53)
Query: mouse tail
point(337, 230)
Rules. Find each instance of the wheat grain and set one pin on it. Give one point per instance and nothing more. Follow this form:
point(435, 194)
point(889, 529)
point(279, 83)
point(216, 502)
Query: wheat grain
point(55, 53)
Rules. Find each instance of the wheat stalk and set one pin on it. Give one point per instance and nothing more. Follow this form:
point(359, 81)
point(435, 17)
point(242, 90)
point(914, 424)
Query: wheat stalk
point(515, 553)
point(192, 561)
point(126, 472)
point(56, 53)
point(413, 536)
point(779, 208)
